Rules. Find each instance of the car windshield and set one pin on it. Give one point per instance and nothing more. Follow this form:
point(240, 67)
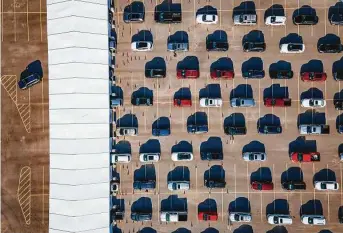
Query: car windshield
point(183, 156)
point(134, 16)
point(273, 19)
point(142, 45)
point(276, 220)
point(323, 186)
point(310, 220)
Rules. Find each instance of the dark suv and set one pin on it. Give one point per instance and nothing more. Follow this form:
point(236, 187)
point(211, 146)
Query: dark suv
point(254, 47)
point(338, 104)
point(338, 75)
point(253, 74)
point(305, 19)
point(294, 185)
point(212, 45)
point(234, 130)
point(141, 216)
point(155, 73)
point(280, 74)
point(215, 183)
point(330, 48)
point(269, 129)
point(142, 101)
point(211, 155)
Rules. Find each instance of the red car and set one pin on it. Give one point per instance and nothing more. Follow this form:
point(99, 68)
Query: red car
point(305, 157)
point(183, 102)
point(208, 216)
point(277, 102)
point(313, 76)
point(262, 185)
point(184, 73)
point(225, 74)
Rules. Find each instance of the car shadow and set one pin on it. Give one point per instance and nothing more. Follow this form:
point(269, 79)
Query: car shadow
point(218, 35)
point(311, 117)
point(280, 65)
point(143, 35)
point(168, 5)
point(304, 10)
point(174, 203)
point(269, 119)
point(240, 204)
point(253, 36)
point(182, 230)
point(335, 9)
point(278, 206)
point(143, 204)
point(207, 10)
point(210, 230)
point(339, 120)
point(116, 229)
point(207, 205)
point(215, 172)
point(329, 39)
point(212, 143)
point(197, 118)
point(142, 92)
point(338, 96)
point(179, 36)
point(184, 92)
point(222, 63)
point(118, 91)
point(122, 147)
point(312, 207)
point(324, 175)
point(313, 65)
point(276, 91)
point(274, 10)
point(278, 229)
point(128, 120)
point(182, 146)
point(210, 91)
point(244, 229)
point(246, 7)
point(156, 63)
point(189, 62)
point(254, 146)
point(145, 172)
point(235, 119)
point(35, 67)
point(161, 123)
point(337, 65)
point(151, 146)
point(118, 202)
point(253, 63)
point(300, 144)
point(242, 91)
point(179, 173)
point(147, 230)
point(292, 174)
point(291, 38)
point(134, 7)
point(340, 148)
point(312, 93)
point(261, 174)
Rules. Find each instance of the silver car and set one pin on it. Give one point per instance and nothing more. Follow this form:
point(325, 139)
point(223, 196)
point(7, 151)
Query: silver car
point(242, 102)
point(178, 185)
point(254, 156)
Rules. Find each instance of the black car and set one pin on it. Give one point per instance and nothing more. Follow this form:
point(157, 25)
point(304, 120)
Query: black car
point(134, 13)
point(141, 216)
point(254, 47)
point(144, 184)
point(168, 16)
point(330, 48)
point(305, 19)
point(234, 130)
point(216, 45)
point(211, 183)
point(269, 129)
point(294, 185)
point(340, 214)
point(257, 74)
point(336, 19)
point(338, 104)
point(155, 73)
point(142, 101)
point(211, 155)
point(281, 74)
point(338, 75)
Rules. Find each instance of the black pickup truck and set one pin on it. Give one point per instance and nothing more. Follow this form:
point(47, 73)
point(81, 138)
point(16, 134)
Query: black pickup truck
point(168, 16)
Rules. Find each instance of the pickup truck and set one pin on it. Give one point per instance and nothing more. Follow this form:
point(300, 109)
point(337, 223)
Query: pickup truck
point(245, 19)
point(168, 16)
point(305, 157)
point(173, 216)
point(314, 129)
point(277, 102)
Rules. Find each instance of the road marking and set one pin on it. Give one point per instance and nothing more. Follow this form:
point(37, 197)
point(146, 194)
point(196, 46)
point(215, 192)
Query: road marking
point(27, 20)
point(261, 206)
point(2, 21)
point(328, 206)
point(43, 107)
point(43, 209)
point(24, 193)
point(15, 23)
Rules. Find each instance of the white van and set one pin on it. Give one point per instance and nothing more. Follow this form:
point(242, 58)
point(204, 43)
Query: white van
point(120, 158)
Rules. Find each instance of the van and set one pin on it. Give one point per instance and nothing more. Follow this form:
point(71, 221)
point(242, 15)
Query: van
point(120, 158)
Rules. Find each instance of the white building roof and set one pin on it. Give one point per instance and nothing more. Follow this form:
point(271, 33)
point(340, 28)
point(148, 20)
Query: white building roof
point(79, 116)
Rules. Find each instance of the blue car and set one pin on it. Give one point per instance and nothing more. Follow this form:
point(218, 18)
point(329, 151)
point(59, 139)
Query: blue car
point(147, 184)
point(161, 132)
point(269, 129)
point(28, 79)
point(197, 129)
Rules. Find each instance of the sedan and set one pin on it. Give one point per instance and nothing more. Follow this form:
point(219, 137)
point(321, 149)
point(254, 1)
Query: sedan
point(313, 76)
point(142, 46)
point(240, 217)
point(207, 18)
point(276, 20)
point(279, 219)
point(314, 103)
point(254, 156)
point(262, 185)
point(126, 131)
point(313, 219)
point(292, 48)
point(242, 102)
point(209, 102)
point(149, 157)
point(178, 185)
point(326, 185)
point(182, 156)
point(330, 48)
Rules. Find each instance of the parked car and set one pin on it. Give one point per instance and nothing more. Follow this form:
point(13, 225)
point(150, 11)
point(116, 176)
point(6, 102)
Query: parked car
point(336, 19)
point(183, 102)
point(253, 74)
point(149, 157)
point(313, 76)
point(254, 156)
point(240, 217)
point(187, 73)
point(254, 46)
point(338, 75)
point(215, 183)
point(211, 102)
point(28, 79)
point(279, 219)
point(277, 102)
point(155, 73)
point(197, 128)
point(235, 130)
point(340, 214)
point(207, 18)
point(208, 215)
point(275, 20)
point(177, 46)
point(303, 19)
point(142, 46)
point(171, 16)
point(269, 129)
point(293, 185)
point(142, 101)
point(178, 185)
point(116, 101)
point(340, 129)
point(120, 158)
point(144, 184)
point(212, 154)
point(141, 216)
point(222, 73)
point(281, 74)
point(161, 131)
point(338, 104)
point(213, 45)
point(313, 219)
point(330, 48)
point(114, 186)
point(245, 19)
point(313, 102)
point(126, 131)
point(242, 102)
point(182, 156)
point(292, 48)
point(262, 185)
point(305, 157)
point(326, 185)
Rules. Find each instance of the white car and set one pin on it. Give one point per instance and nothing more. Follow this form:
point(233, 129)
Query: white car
point(312, 102)
point(242, 102)
point(275, 20)
point(279, 219)
point(121, 158)
point(254, 156)
point(178, 185)
point(313, 219)
point(292, 48)
point(207, 18)
point(341, 156)
point(240, 217)
point(149, 157)
point(326, 185)
point(142, 46)
point(209, 102)
point(182, 156)
point(126, 131)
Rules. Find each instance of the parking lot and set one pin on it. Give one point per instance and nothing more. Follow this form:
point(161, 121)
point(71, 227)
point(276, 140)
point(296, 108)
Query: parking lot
point(238, 174)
